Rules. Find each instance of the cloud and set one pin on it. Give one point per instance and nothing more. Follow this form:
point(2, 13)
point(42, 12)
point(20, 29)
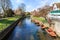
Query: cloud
point(28, 8)
point(19, 1)
point(33, 4)
point(37, 4)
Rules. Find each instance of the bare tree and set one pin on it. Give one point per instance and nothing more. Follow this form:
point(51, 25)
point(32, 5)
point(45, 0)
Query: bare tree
point(45, 10)
point(5, 5)
point(22, 8)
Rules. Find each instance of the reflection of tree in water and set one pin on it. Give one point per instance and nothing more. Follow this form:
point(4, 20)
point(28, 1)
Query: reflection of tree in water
point(40, 35)
point(31, 37)
point(37, 36)
point(19, 24)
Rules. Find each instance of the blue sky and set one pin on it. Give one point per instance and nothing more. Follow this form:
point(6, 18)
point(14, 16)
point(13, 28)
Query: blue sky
point(32, 4)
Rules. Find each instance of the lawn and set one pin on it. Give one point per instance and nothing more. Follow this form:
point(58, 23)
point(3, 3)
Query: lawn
point(45, 22)
point(40, 19)
point(5, 22)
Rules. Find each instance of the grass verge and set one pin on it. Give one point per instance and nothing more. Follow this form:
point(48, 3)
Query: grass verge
point(5, 22)
point(40, 19)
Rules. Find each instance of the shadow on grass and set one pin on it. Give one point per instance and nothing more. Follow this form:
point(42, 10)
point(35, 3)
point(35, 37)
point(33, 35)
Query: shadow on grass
point(6, 21)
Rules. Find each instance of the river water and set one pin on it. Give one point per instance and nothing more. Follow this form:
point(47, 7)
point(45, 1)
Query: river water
point(27, 30)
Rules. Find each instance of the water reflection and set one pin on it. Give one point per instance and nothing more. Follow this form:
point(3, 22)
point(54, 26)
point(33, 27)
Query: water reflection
point(25, 31)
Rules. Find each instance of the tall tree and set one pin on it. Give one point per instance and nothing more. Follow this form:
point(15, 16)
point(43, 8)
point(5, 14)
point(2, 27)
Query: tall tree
point(22, 7)
point(45, 10)
point(5, 5)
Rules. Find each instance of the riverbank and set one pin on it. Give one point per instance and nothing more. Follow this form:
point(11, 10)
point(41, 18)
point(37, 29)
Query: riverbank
point(5, 22)
point(49, 35)
point(42, 20)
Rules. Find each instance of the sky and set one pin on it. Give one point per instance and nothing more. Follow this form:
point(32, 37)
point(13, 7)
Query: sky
point(32, 4)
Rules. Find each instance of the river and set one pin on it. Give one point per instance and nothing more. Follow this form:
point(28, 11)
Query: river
point(27, 30)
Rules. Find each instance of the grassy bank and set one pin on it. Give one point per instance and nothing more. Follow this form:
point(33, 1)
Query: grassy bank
point(40, 19)
point(5, 22)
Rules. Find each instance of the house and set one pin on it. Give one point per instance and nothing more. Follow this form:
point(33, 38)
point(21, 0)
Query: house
point(54, 16)
point(57, 5)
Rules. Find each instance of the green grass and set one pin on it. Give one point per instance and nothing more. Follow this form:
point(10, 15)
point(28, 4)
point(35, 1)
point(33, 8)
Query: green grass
point(40, 19)
point(5, 22)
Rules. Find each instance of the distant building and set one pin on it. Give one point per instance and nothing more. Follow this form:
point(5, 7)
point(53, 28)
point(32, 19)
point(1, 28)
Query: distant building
point(17, 12)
